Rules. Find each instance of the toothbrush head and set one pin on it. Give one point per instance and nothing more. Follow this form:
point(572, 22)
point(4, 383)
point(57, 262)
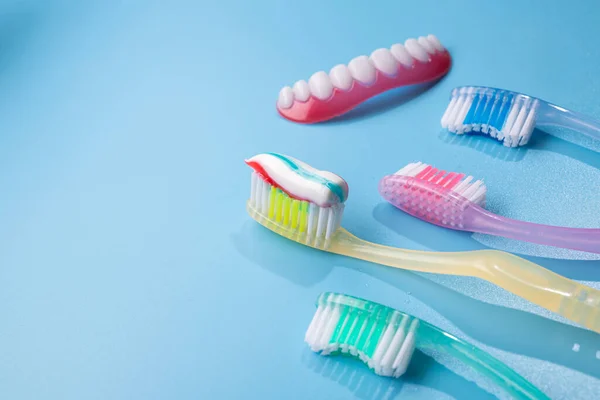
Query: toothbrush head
point(507, 116)
point(383, 338)
point(296, 200)
point(436, 196)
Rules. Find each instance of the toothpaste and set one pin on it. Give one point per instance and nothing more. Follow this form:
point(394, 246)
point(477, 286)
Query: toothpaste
point(299, 180)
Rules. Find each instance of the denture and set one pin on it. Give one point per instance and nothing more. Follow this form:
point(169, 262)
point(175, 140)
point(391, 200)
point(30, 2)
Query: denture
point(326, 96)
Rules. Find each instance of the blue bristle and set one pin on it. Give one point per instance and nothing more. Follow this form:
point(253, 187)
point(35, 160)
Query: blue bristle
point(472, 110)
point(488, 113)
point(497, 120)
point(482, 108)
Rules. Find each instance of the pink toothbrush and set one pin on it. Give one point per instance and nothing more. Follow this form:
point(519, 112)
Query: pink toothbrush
point(455, 201)
point(326, 96)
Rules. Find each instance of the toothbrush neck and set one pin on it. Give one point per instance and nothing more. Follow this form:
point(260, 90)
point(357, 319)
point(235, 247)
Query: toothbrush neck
point(552, 115)
point(583, 239)
point(429, 336)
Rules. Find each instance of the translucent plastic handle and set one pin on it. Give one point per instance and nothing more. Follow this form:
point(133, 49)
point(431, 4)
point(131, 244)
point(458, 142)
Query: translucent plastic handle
point(518, 387)
point(478, 219)
point(554, 115)
point(572, 300)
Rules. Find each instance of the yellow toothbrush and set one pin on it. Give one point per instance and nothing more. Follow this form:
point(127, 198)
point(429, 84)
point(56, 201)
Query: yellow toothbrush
point(306, 205)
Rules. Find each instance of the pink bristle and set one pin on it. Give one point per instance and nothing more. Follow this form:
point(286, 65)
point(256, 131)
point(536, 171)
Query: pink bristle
point(456, 178)
point(430, 174)
point(433, 194)
point(446, 179)
point(440, 175)
point(421, 174)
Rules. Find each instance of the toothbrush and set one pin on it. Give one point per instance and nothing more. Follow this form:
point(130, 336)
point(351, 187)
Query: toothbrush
point(456, 201)
point(326, 96)
point(306, 205)
point(509, 117)
point(385, 340)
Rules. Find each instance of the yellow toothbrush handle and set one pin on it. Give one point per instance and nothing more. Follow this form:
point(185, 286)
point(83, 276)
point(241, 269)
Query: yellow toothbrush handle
point(572, 300)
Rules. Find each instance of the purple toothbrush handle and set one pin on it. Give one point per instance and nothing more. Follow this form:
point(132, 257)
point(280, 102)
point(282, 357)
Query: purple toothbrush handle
point(477, 219)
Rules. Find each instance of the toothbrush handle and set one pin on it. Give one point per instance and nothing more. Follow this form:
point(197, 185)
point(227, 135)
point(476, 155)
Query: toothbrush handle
point(480, 220)
point(481, 361)
point(551, 114)
point(572, 300)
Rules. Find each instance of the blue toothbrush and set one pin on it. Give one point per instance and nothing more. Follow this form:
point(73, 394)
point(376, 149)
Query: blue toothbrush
point(508, 116)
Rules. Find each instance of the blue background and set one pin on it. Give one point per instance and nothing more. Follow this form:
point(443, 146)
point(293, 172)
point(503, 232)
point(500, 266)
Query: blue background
point(129, 268)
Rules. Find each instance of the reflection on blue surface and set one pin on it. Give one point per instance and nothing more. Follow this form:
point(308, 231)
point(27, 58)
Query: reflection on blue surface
point(545, 339)
point(129, 268)
point(423, 372)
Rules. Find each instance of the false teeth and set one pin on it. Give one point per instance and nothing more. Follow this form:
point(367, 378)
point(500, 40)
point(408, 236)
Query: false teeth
point(301, 91)
point(399, 52)
point(328, 95)
point(436, 43)
point(415, 50)
point(384, 61)
point(320, 85)
point(426, 44)
point(286, 97)
point(340, 77)
point(362, 70)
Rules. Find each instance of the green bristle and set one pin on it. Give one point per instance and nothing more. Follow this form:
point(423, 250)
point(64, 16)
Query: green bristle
point(345, 315)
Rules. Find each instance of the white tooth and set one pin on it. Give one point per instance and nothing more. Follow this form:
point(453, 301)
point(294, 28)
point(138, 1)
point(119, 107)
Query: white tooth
point(435, 42)
point(400, 53)
point(286, 97)
point(362, 70)
point(384, 61)
point(301, 91)
point(320, 85)
point(415, 50)
point(340, 77)
point(426, 44)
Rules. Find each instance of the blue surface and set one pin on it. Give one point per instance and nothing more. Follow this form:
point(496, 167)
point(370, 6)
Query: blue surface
point(129, 268)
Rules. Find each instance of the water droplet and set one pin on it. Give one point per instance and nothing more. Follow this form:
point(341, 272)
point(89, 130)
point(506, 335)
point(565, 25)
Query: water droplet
point(598, 354)
point(576, 347)
point(366, 285)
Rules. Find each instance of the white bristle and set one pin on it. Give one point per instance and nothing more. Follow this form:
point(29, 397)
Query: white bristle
point(321, 222)
point(329, 327)
point(385, 340)
point(505, 116)
point(392, 350)
point(449, 111)
point(253, 188)
point(315, 321)
point(412, 169)
point(406, 351)
point(265, 197)
point(395, 339)
point(258, 191)
point(462, 112)
point(529, 125)
point(512, 116)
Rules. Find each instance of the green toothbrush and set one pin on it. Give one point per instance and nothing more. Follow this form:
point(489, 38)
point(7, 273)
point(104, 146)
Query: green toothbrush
point(385, 340)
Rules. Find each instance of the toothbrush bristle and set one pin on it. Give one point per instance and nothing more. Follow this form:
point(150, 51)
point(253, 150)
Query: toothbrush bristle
point(431, 194)
point(381, 337)
point(299, 220)
point(504, 115)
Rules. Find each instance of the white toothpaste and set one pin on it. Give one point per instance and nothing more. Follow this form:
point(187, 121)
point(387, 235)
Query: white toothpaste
point(300, 180)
